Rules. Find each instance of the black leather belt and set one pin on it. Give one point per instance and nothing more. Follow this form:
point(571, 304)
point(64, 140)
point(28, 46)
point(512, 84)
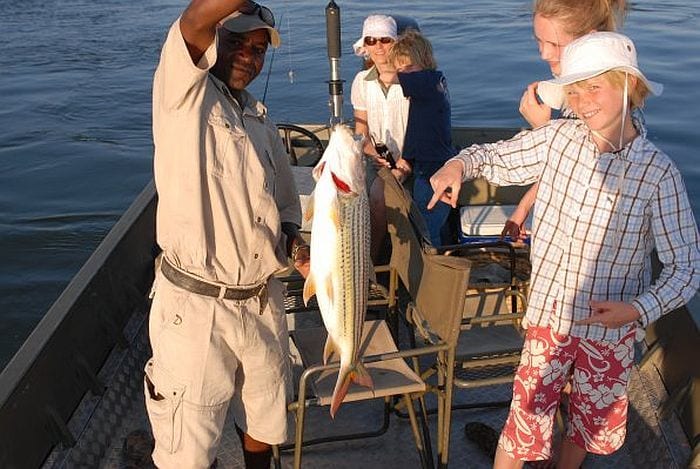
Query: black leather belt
point(202, 287)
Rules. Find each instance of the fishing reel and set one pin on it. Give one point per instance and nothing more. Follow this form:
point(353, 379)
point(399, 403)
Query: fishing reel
point(385, 154)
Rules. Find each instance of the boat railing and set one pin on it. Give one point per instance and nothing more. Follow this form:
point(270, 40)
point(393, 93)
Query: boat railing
point(59, 363)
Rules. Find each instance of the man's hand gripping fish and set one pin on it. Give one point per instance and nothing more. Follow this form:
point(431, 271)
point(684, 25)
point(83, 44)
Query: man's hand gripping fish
point(340, 260)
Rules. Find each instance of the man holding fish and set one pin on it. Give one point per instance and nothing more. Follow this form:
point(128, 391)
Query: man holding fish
point(228, 217)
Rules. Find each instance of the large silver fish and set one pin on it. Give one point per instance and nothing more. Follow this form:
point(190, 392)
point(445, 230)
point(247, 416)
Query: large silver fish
point(340, 259)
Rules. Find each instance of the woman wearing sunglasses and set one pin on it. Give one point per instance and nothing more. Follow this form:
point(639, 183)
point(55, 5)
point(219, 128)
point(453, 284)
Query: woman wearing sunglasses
point(381, 113)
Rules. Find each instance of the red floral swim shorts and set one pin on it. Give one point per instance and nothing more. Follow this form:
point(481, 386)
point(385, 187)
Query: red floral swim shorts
point(597, 413)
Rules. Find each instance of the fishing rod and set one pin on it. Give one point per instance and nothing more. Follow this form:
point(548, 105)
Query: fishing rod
point(335, 84)
point(267, 78)
point(272, 60)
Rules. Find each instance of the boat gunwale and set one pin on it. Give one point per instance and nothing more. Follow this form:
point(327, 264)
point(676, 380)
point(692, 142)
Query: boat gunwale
point(46, 403)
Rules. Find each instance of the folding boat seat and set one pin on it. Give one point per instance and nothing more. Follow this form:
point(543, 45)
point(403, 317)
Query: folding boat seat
point(303, 143)
point(479, 323)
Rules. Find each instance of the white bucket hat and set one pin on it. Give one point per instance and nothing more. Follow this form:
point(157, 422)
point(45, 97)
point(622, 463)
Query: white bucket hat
point(589, 56)
point(375, 26)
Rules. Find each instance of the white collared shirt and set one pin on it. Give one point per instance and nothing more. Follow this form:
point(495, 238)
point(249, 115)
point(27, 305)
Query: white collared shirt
point(597, 218)
point(387, 109)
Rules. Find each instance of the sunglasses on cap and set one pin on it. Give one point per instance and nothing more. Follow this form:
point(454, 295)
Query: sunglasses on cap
point(263, 12)
point(370, 41)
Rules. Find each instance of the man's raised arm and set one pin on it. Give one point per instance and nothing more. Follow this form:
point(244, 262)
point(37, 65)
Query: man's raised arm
point(199, 21)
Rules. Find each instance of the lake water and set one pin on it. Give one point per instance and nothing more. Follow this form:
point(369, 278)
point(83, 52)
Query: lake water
point(75, 79)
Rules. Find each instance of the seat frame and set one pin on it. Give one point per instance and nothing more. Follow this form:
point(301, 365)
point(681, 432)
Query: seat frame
point(305, 398)
point(439, 320)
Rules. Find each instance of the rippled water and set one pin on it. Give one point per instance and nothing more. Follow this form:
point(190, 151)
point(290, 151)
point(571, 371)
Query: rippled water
point(75, 78)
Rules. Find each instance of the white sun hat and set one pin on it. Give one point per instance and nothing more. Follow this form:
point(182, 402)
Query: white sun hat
point(375, 26)
point(589, 56)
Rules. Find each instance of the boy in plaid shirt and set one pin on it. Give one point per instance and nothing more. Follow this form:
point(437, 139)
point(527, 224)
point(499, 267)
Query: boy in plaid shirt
point(607, 198)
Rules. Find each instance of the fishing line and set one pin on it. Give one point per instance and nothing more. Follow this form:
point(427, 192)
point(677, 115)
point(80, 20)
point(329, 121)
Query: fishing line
point(290, 69)
point(267, 78)
point(290, 72)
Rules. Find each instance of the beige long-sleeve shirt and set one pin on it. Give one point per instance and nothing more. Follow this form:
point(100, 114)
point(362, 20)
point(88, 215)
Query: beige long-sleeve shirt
point(222, 175)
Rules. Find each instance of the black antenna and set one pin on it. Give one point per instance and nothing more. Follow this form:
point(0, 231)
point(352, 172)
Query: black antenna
point(335, 84)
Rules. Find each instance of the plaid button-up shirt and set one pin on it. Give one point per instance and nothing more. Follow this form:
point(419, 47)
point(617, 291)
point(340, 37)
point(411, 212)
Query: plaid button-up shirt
point(597, 218)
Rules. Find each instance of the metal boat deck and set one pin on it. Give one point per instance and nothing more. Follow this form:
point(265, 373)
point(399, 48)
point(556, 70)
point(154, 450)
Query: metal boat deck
point(103, 422)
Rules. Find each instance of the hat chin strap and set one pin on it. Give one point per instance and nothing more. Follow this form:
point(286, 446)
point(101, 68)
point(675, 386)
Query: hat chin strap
point(622, 173)
point(623, 170)
point(625, 102)
point(624, 111)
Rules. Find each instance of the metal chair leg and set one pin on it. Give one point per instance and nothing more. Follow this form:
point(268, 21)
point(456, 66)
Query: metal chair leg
point(299, 429)
point(276, 458)
point(447, 417)
point(419, 435)
point(441, 375)
point(426, 429)
point(421, 399)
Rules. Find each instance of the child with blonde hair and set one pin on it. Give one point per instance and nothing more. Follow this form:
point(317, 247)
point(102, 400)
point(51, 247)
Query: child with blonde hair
point(555, 24)
point(607, 198)
point(428, 140)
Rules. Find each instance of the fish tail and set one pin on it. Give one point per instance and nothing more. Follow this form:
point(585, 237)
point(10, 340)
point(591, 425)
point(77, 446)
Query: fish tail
point(362, 376)
point(357, 374)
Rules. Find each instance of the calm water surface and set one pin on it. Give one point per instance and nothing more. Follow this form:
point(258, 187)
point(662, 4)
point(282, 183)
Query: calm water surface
point(75, 79)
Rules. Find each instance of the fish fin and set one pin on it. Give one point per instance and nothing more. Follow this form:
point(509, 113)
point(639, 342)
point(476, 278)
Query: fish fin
point(309, 212)
point(357, 374)
point(340, 184)
point(328, 349)
point(329, 291)
point(341, 390)
point(318, 170)
point(335, 218)
point(362, 376)
point(309, 288)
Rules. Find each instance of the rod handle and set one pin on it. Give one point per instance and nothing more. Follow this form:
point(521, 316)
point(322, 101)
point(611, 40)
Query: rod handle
point(333, 29)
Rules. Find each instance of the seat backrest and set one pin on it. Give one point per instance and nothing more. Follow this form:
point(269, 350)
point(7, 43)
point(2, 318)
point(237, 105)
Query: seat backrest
point(435, 283)
point(479, 191)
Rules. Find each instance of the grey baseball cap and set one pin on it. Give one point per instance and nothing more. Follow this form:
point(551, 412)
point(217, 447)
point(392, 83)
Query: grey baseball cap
point(260, 18)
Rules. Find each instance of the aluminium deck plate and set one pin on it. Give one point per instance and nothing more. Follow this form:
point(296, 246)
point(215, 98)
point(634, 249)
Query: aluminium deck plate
point(105, 422)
